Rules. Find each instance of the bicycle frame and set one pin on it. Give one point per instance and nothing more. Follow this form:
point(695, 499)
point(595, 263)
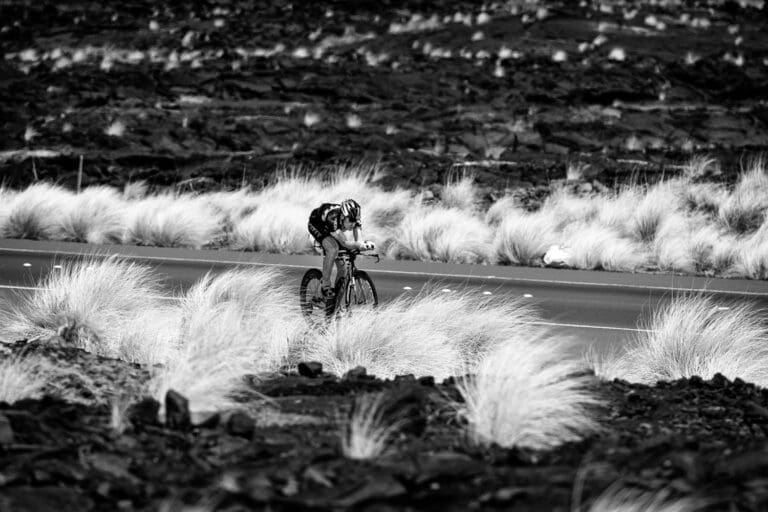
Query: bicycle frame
point(348, 286)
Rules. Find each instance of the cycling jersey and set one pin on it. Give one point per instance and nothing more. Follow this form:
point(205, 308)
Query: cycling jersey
point(326, 219)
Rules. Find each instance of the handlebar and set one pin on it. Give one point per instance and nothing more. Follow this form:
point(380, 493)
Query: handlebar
point(357, 252)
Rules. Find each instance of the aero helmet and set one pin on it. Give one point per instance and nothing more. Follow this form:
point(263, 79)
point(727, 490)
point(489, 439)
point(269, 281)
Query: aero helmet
point(350, 208)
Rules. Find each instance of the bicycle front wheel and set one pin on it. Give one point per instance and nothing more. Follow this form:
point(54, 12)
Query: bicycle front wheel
point(365, 292)
point(314, 306)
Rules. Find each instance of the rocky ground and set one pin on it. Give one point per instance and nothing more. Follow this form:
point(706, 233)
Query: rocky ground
point(282, 450)
point(516, 92)
point(226, 91)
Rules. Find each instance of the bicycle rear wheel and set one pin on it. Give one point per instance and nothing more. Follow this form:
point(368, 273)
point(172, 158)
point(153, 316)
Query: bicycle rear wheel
point(365, 291)
point(314, 306)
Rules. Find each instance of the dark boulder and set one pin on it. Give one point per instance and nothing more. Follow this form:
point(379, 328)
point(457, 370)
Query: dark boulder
point(144, 412)
point(310, 369)
point(241, 425)
point(177, 411)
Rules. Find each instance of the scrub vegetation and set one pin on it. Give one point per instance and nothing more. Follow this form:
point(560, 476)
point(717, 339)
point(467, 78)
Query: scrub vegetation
point(682, 224)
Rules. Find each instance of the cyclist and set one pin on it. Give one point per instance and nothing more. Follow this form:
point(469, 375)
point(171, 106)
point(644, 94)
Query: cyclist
point(329, 224)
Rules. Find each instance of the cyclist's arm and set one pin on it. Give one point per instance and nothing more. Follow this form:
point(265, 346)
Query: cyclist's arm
point(346, 241)
point(358, 232)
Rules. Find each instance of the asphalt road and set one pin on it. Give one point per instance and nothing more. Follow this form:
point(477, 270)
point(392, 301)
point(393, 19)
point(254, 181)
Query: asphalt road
point(595, 308)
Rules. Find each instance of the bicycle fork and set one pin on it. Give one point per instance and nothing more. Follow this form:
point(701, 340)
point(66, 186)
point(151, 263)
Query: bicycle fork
point(348, 282)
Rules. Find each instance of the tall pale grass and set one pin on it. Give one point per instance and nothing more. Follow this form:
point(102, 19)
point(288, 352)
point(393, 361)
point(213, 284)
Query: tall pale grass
point(267, 304)
point(6, 202)
point(501, 209)
point(701, 166)
point(152, 336)
point(744, 210)
point(135, 190)
point(215, 352)
point(98, 298)
point(386, 210)
point(424, 334)
point(526, 393)
point(495, 319)
point(671, 224)
point(32, 213)
point(616, 210)
point(382, 210)
point(597, 247)
point(442, 234)
point(461, 194)
point(523, 238)
point(241, 322)
point(566, 208)
point(712, 251)
point(658, 202)
point(387, 341)
point(94, 216)
point(23, 377)
point(704, 198)
point(382, 215)
point(276, 227)
point(309, 188)
point(617, 499)
point(232, 205)
point(172, 221)
point(370, 429)
point(693, 336)
point(751, 257)
point(670, 244)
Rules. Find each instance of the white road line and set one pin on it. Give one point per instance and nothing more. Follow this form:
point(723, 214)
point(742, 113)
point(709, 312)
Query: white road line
point(403, 272)
point(588, 326)
point(549, 324)
point(37, 288)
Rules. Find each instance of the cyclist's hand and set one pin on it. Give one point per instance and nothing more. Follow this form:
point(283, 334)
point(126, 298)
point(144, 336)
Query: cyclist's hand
point(366, 246)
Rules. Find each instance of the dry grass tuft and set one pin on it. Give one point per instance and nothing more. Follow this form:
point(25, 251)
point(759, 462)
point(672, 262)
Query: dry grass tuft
point(23, 377)
point(744, 211)
point(751, 259)
point(440, 234)
point(616, 499)
point(660, 224)
point(523, 238)
point(461, 194)
point(369, 430)
point(706, 198)
point(118, 408)
point(658, 202)
point(526, 394)
point(597, 247)
point(701, 166)
point(387, 341)
point(32, 213)
point(276, 227)
point(241, 322)
point(172, 221)
point(565, 208)
point(425, 334)
point(694, 336)
point(94, 216)
point(96, 299)
point(504, 207)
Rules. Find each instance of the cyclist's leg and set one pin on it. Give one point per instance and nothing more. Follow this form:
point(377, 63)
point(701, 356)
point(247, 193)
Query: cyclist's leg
point(340, 270)
point(331, 249)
